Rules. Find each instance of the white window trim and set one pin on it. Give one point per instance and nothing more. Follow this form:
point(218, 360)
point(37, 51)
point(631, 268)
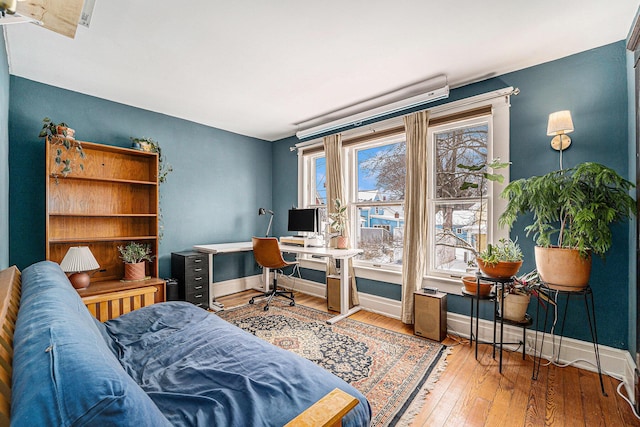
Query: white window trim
point(500, 102)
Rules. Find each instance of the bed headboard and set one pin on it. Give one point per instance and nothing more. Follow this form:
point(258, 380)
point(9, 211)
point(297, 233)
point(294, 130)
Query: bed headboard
point(10, 284)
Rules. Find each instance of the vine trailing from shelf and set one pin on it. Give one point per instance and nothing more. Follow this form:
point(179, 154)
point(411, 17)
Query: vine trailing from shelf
point(164, 168)
point(61, 135)
point(152, 146)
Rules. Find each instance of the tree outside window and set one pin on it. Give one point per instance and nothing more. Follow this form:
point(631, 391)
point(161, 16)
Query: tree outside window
point(460, 214)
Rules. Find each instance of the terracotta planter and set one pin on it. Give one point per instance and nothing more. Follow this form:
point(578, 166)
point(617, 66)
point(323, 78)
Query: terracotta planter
point(471, 284)
point(342, 242)
point(60, 130)
point(562, 268)
point(134, 271)
point(501, 270)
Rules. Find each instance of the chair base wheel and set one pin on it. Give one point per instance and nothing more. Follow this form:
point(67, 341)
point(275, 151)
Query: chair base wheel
point(292, 303)
point(251, 301)
point(266, 308)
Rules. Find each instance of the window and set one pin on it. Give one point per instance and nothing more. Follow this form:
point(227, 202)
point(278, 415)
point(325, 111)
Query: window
point(458, 214)
point(319, 181)
point(378, 169)
point(374, 172)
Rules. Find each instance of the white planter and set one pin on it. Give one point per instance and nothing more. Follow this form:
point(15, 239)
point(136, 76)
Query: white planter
point(515, 306)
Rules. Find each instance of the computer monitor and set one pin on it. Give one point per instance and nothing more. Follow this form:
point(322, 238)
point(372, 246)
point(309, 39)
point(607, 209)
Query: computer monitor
point(303, 220)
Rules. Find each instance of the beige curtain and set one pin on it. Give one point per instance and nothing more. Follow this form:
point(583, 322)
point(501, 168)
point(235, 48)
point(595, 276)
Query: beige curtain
point(416, 210)
point(333, 153)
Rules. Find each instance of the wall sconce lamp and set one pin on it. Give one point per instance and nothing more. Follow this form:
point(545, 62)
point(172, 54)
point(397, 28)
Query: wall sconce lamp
point(560, 124)
point(262, 211)
point(78, 260)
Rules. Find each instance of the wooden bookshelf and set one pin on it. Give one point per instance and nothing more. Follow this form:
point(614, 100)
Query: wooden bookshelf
point(113, 201)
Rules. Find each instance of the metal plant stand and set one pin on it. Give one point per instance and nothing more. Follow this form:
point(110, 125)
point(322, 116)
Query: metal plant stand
point(475, 313)
point(587, 295)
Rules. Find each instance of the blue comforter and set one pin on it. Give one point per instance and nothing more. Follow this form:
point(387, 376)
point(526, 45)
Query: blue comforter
point(201, 370)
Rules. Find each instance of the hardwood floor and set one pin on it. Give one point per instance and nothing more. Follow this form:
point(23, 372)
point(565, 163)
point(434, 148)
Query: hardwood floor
point(473, 393)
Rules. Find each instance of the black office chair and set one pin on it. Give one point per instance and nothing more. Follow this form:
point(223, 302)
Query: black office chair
point(266, 251)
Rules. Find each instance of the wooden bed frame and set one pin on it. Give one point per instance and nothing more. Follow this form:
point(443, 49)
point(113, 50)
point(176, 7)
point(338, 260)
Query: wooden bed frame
point(326, 412)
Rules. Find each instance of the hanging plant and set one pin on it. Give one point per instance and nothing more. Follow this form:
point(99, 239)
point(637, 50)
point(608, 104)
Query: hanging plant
point(68, 151)
point(151, 146)
point(164, 168)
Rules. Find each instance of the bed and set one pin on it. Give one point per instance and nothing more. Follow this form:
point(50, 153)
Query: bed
point(163, 364)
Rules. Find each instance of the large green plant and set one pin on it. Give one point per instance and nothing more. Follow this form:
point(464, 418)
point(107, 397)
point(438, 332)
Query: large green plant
point(572, 208)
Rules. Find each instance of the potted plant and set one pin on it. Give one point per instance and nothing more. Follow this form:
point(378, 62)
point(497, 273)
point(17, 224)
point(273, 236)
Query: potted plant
point(573, 210)
point(151, 146)
point(339, 223)
point(134, 255)
point(502, 260)
point(67, 151)
point(51, 129)
point(518, 294)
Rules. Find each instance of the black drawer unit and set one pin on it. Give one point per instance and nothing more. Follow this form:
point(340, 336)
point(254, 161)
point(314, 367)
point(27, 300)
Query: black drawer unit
point(191, 270)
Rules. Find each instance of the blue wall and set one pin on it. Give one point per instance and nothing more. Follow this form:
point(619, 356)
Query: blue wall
point(219, 179)
point(593, 86)
point(4, 156)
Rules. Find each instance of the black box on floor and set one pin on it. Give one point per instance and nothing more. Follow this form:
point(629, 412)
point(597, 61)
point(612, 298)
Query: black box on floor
point(173, 290)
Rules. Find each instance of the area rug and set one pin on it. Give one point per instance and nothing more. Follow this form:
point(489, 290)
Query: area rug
point(393, 370)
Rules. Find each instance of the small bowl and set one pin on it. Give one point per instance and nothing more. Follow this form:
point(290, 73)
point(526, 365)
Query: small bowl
point(470, 285)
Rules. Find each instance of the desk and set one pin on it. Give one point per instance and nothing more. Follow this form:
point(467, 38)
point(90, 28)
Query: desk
point(341, 254)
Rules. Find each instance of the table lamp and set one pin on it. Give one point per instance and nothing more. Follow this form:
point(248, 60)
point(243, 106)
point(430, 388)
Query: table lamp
point(78, 260)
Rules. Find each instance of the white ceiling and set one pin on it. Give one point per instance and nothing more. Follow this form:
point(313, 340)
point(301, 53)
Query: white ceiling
point(259, 67)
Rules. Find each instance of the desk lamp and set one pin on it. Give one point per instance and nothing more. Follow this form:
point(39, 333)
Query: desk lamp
point(262, 211)
point(78, 261)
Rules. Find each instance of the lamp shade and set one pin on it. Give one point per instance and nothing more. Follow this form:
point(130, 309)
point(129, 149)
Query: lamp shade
point(560, 123)
point(79, 259)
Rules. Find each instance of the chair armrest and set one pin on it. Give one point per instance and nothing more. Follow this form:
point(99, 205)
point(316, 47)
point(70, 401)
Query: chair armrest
point(326, 412)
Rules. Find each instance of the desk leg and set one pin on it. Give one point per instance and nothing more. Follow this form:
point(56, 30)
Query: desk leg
point(344, 295)
point(213, 304)
point(266, 273)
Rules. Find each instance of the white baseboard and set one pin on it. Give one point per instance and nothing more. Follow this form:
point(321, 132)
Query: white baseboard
point(228, 287)
point(614, 362)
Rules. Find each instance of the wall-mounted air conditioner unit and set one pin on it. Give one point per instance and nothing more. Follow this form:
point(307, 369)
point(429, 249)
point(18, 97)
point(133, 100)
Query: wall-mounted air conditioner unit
point(408, 97)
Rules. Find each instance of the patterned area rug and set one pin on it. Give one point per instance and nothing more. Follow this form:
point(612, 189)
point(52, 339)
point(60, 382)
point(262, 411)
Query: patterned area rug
point(393, 370)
